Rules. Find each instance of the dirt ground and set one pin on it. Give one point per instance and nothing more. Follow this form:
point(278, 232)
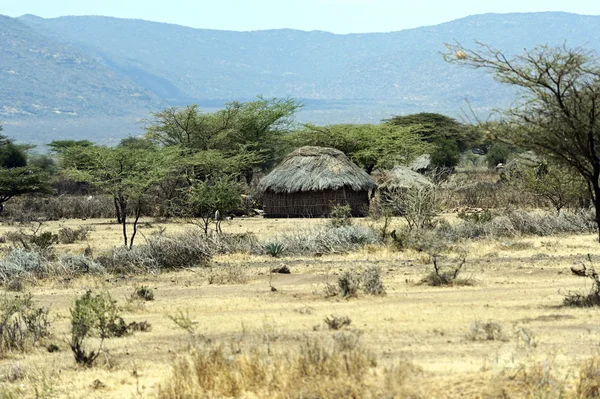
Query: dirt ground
point(518, 284)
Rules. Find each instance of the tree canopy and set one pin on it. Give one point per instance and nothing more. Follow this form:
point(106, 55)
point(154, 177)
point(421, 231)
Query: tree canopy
point(370, 146)
point(558, 111)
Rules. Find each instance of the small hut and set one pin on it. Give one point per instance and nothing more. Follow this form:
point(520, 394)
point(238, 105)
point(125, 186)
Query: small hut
point(401, 177)
point(311, 180)
point(422, 164)
point(395, 184)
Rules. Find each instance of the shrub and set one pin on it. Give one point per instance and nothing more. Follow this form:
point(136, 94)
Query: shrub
point(591, 298)
point(316, 369)
point(486, 331)
point(438, 277)
point(19, 264)
point(67, 235)
point(44, 240)
point(328, 239)
point(349, 284)
point(94, 316)
point(274, 249)
point(341, 215)
point(144, 293)
point(498, 153)
point(334, 322)
point(418, 205)
point(371, 281)
point(158, 254)
point(22, 324)
point(75, 265)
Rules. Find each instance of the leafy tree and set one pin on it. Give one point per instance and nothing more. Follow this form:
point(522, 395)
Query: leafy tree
point(16, 178)
point(558, 114)
point(370, 146)
point(137, 143)
point(445, 155)
point(126, 174)
point(211, 199)
point(497, 153)
point(60, 146)
point(560, 186)
point(255, 126)
point(434, 127)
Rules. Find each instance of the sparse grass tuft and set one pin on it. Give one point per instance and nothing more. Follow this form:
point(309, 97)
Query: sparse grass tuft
point(486, 331)
point(316, 369)
point(334, 322)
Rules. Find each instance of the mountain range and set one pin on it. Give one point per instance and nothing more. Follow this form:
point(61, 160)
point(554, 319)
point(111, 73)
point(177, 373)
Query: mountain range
point(100, 77)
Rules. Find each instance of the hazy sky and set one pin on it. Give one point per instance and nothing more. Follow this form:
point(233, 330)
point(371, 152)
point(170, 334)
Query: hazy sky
point(339, 16)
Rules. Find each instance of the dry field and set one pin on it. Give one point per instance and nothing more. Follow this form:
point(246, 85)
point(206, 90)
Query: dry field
point(421, 338)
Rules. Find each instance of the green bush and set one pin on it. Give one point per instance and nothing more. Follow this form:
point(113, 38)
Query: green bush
point(94, 316)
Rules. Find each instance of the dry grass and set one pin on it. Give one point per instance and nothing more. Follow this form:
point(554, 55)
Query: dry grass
point(257, 334)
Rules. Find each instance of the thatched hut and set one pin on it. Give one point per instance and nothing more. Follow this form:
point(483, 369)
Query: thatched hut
point(401, 177)
point(395, 185)
point(311, 180)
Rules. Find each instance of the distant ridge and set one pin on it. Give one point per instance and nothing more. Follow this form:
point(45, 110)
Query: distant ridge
point(125, 68)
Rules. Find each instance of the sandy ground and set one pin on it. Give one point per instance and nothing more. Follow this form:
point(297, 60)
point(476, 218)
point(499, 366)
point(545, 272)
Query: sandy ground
point(518, 284)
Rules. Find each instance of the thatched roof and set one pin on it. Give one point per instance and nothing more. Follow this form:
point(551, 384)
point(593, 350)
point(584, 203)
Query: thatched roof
point(316, 169)
point(422, 163)
point(402, 177)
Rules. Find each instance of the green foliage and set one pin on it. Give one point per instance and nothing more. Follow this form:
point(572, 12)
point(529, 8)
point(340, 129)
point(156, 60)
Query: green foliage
point(437, 128)
point(446, 154)
point(370, 146)
point(60, 146)
point(205, 198)
point(274, 249)
point(136, 143)
point(126, 174)
point(12, 156)
point(94, 316)
point(559, 185)
point(251, 127)
point(498, 153)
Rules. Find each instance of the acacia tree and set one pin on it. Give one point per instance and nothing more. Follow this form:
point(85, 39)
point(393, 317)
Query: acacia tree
point(16, 177)
point(126, 174)
point(370, 146)
point(558, 112)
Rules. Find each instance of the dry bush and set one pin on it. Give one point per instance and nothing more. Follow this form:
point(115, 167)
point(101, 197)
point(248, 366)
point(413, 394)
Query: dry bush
point(22, 264)
point(328, 239)
point(61, 207)
point(334, 322)
point(316, 369)
point(23, 325)
point(587, 299)
point(228, 274)
point(588, 380)
point(486, 331)
point(448, 276)
point(67, 235)
point(160, 253)
point(517, 223)
point(349, 284)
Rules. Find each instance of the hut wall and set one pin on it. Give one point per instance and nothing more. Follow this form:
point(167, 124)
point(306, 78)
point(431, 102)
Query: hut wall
point(314, 203)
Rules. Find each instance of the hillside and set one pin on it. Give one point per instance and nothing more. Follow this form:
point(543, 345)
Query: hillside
point(46, 79)
point(128, 67)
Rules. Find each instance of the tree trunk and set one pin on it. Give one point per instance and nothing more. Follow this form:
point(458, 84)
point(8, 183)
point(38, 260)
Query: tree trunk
point(138, 212)
point(117, 212)
point(123, 210)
